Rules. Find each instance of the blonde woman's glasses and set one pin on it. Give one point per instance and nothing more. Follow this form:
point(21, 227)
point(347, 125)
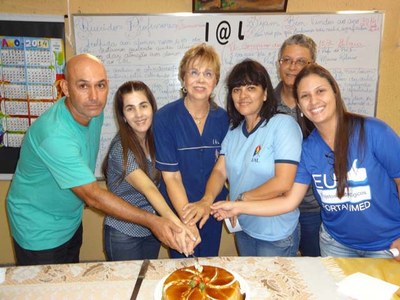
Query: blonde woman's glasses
point(208, 75)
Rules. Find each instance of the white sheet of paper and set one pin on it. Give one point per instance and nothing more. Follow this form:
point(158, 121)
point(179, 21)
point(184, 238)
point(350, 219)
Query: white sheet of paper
point(231, 228)
point(364, 287)
point(2, 274)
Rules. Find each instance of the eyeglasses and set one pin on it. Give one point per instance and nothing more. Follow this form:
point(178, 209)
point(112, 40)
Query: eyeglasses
point(287, 61)
point(208, 75)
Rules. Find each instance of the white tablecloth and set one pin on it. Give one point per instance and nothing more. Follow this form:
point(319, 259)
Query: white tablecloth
point(267, 278)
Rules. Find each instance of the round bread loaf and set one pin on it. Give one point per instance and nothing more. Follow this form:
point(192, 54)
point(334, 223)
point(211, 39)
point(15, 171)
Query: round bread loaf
point(211, 283)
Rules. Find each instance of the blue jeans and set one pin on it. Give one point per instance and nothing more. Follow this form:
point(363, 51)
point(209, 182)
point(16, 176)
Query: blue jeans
point(310, 223)
point(120, 246)
point(249, 246)
point(330, 247)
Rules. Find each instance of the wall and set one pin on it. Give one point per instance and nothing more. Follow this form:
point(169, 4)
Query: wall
point(388, 106)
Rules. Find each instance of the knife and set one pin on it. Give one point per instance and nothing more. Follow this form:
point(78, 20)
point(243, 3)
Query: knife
point(197, 265)
point(139, 280)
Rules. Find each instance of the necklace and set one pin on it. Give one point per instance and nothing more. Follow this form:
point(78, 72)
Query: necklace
point(196, 119)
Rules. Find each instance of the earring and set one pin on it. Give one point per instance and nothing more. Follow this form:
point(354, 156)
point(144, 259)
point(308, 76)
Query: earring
point(184, 90)
point(301, 114)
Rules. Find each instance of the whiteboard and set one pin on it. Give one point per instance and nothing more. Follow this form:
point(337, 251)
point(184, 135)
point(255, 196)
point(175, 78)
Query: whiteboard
point(150, 47)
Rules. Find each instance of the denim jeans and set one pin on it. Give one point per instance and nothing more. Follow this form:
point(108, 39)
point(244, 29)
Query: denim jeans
point(249, 246)
point(120, 246)
point(310, 223)
point(64, 254)
point(330, 247)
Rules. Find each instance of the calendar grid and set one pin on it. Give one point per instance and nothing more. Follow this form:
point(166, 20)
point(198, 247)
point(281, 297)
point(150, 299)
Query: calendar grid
point(30, 69)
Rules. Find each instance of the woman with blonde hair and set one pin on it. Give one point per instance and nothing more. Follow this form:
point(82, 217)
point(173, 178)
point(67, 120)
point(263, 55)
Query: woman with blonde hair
point(188, 135)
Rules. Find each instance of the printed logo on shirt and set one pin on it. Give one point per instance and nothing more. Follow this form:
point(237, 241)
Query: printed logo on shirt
point(256, 154)
point(356, 198)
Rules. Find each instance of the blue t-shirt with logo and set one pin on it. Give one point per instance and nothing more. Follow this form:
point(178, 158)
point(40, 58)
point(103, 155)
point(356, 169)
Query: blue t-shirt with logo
point(367, 217)
point(250, 160)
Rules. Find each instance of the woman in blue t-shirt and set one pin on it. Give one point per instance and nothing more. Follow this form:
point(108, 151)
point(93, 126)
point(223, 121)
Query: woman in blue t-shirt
point(259, 158)
point(352, 163)
point(131, 174)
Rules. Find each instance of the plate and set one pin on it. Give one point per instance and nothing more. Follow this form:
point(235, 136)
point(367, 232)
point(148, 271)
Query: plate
point(244, 287)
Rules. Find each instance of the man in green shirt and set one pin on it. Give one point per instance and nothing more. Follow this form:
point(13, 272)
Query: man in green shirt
point(54, 178)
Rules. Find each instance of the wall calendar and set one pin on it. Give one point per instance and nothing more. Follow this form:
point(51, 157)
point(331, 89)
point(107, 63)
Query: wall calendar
point(30, 71)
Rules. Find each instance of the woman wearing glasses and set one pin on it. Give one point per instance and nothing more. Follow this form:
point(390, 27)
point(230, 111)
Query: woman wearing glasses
point(295, 53)
point(188, 135)
point(352, 163)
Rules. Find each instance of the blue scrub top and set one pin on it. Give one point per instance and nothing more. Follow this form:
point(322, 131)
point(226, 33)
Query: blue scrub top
point(180, 147)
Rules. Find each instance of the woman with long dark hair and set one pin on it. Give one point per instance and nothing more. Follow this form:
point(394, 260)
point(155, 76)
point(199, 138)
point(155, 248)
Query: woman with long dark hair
point(131, 174)
point(353, 165)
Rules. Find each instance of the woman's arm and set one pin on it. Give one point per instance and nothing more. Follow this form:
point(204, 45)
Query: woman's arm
point(105, 201)
point(200, 210)
point(271, 207)
point(144, 185)
point(216, 181)
point(275, 186)
point(177, 194)
point(176, 190)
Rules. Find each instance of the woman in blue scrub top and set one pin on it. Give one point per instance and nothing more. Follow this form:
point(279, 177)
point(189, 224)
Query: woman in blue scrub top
point(188, 135)
point(259, 158)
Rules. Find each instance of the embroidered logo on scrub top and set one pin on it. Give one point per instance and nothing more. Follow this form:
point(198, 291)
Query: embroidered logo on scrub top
point(256, 154)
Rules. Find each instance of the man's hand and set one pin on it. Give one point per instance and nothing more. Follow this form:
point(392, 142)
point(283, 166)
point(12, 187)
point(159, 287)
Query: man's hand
point(195, 212)
point(396, 245)
point(166, 231)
